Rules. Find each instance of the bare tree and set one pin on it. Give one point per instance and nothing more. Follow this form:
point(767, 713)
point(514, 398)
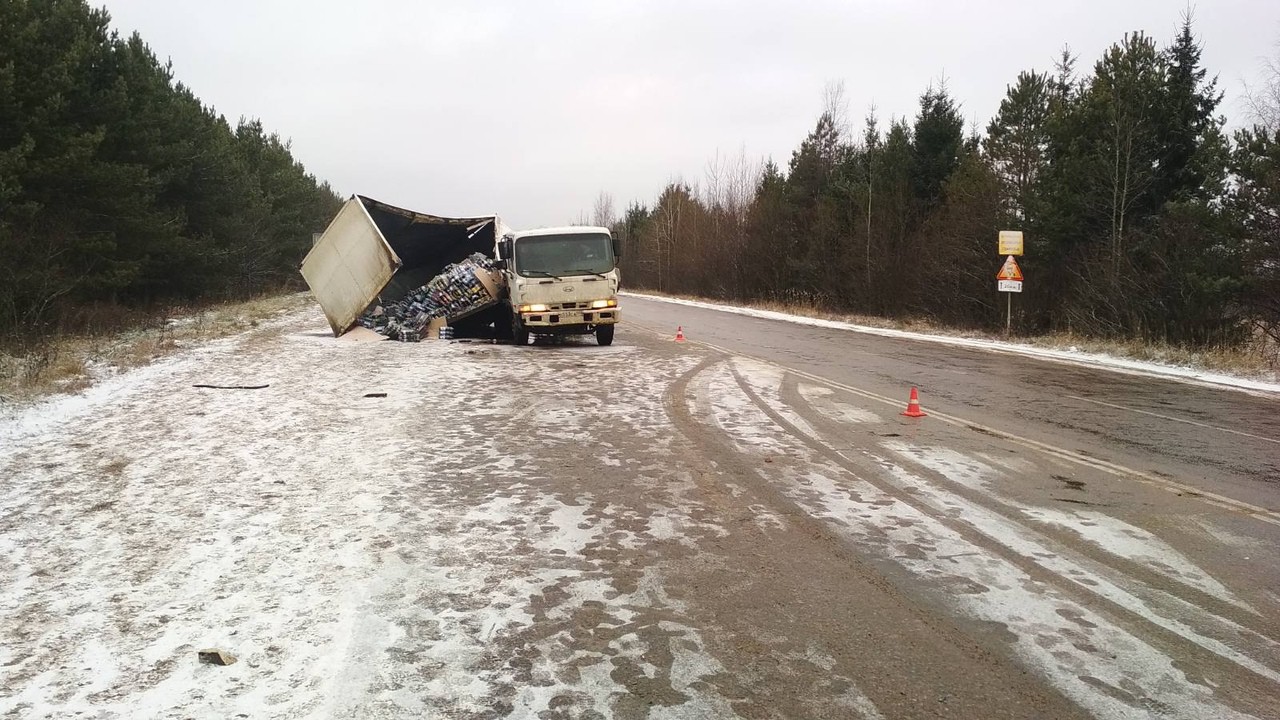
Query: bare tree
point(730, 188)
point(671, 231)
point(602, 214)
point(835, 104)
point(1263, 101)
point(871, 139)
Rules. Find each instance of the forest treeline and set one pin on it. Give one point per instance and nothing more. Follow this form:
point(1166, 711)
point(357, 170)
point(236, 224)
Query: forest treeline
point(120, 188)
point(1142, 216)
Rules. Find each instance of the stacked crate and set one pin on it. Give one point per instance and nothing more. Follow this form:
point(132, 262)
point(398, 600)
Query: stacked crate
point(462, 289)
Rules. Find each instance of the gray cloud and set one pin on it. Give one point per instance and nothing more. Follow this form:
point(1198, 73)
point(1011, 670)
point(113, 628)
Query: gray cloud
point(530, 109)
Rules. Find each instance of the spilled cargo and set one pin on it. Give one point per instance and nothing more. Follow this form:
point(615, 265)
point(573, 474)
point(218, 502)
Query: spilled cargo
point(464, 289)
point(377, 255)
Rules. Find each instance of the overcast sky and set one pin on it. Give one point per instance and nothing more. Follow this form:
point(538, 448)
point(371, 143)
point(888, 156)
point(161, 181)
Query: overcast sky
point(530, 109)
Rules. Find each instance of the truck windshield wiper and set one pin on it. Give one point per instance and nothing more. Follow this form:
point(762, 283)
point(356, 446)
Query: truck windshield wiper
point(541, 272)
point(585, 271)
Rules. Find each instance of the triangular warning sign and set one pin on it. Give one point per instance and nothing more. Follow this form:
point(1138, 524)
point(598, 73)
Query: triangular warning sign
point(1010, 270)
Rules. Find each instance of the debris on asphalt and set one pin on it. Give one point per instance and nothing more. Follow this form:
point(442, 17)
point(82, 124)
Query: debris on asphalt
point(231, 387)
point(214, 656)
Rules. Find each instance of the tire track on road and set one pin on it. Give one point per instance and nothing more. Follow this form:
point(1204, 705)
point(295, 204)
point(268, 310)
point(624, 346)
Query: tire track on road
point(1191, 609)
point(1181, 592)
point(1263, 514)
point(1079, 458)
point(1170, 643)
point(904, 656)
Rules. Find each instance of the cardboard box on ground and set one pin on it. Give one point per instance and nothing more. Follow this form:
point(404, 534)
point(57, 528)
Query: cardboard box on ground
point(434, 326)
point(461, 290)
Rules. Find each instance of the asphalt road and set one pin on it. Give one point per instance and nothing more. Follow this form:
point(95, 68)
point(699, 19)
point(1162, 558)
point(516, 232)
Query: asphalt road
point(1061, 452)
point(742, 525)
point(1213, 439)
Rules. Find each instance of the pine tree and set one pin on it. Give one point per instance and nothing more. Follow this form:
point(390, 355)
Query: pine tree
point(813, 163)
point(118, 185)
point(1194, 158)
point(810, 182)
point(958, 269)
point(769, 234)
point(896, 216)
point(1121, 110)
point(1188, 260)
point(938, 141)
point(1018, 143)
point(631, 230)
point(1255, 205)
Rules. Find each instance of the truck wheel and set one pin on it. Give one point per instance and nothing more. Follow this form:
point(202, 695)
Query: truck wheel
point(604, 334)
point(520, 334)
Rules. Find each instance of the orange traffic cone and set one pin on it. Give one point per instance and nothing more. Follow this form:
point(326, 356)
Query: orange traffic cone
point(913, 406)
point(679, 333)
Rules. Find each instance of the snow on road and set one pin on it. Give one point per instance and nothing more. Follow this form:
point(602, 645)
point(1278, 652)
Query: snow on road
point(423, 554)
point(930, 530)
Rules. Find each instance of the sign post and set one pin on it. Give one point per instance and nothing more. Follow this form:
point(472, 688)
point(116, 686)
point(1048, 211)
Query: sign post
point(1009, 279)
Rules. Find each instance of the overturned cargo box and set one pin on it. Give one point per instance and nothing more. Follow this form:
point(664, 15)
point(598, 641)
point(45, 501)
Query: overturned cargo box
point(374, 253)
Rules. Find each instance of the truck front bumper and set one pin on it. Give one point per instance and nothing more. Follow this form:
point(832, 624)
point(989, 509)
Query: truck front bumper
point(583, 321)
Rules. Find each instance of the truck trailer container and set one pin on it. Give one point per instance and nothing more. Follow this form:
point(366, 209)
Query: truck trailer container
point(375, 253)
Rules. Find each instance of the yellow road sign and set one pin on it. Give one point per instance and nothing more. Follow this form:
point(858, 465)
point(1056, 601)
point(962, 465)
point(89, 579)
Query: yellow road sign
point(1010, 242)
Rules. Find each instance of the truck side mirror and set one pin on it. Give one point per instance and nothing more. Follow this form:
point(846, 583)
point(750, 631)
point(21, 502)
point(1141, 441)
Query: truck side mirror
point(504, 248)
point(617, 248)
point(499, 264)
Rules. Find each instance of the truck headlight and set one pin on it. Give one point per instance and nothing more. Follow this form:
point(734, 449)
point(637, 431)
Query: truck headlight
point(533, 308)
point(599, 304)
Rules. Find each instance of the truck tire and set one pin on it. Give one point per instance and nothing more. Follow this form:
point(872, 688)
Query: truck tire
point(503, 325)
point(519, 333)
point(604, 334)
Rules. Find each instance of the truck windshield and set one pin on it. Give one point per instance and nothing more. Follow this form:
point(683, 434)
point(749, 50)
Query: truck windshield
point(560, 255)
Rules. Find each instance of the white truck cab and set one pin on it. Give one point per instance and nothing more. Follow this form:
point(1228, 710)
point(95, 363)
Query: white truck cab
point(561, 281)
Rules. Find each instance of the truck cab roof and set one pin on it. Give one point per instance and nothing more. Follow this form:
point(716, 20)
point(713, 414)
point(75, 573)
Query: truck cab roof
point(565, 230)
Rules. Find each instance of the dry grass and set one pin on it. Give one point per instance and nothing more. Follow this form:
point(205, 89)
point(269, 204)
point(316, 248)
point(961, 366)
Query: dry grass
point(72, 362)
point(1257, 360)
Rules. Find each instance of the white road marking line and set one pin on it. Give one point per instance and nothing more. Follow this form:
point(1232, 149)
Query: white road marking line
point(1116, 469)
point(1120, 366)
point(1175, 419)
point(1206, 496)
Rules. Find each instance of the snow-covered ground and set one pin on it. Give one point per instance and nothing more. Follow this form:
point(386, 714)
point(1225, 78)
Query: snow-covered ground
point(393, 530)
point(424, 554)
point(1111, 362)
